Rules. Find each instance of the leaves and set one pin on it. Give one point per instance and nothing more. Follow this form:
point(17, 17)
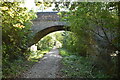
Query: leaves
point(16, 24)
point(79, 67)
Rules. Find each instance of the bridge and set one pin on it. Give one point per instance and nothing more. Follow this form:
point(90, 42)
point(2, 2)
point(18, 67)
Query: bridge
point(46, 23)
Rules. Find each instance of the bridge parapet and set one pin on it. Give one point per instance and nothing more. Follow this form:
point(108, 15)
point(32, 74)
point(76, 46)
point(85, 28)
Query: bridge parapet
point(47, 16)
point(46, 20)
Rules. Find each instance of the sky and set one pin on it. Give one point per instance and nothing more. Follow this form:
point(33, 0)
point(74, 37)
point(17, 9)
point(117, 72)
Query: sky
point(31, 5)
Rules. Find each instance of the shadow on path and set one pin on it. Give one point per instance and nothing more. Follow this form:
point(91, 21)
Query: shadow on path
point(47, 67)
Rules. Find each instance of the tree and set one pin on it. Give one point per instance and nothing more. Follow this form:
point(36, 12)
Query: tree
point(95, 26)
point(16, 23)
point(16, 33)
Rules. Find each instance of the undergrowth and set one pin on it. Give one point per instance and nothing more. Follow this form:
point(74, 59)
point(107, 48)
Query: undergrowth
point(17, 67)
point(75, 66)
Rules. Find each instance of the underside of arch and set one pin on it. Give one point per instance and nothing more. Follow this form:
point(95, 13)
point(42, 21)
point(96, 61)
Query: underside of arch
point(46, 31)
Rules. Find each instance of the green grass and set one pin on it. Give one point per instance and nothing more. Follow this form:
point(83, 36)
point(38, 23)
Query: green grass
point(35, 56)
point(75, 66)
point(64, 53)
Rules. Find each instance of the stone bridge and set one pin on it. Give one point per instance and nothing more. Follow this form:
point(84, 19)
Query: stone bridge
point(46, 23)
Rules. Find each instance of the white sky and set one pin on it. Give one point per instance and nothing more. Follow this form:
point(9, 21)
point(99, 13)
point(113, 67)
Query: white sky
point(31, 5)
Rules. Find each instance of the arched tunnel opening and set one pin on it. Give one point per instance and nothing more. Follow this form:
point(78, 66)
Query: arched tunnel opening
point(48, 39)
point(51, 40)
point(39, 35)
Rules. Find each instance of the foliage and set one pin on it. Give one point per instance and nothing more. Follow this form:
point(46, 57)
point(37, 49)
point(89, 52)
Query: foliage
point(79, 67)
point(16, 28)
point(91, 19)
point(63, 52)
point(36, 55)
point(43, 4)
point(50, 40)
point(16, 68)
point(16, 24)
point(73, 44)
point(45, 42)
point(95, 31)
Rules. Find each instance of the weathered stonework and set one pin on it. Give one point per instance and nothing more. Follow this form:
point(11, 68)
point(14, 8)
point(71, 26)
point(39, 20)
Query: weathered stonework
point(46, 23)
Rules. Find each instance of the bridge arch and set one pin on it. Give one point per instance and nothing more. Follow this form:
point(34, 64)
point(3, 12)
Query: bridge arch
point(39, 35)
point(45, 23)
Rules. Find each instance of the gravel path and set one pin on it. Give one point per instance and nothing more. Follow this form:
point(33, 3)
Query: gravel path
point(47, 67)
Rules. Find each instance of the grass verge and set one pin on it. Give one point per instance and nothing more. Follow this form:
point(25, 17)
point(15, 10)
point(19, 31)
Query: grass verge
point(75, 66)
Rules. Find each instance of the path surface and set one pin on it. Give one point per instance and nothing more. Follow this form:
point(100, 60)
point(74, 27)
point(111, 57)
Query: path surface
point(47, 67)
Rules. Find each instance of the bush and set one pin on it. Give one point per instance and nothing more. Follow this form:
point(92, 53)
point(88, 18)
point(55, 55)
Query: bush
point(16, 24)
point(75, 66)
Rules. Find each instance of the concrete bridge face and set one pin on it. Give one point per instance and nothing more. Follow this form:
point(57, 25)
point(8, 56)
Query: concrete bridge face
point(46, 23)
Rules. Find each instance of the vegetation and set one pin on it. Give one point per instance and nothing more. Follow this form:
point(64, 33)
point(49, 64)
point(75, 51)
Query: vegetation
point(90, 48)
point(16, 23)
point(51, 40)
point(16, 68)
point(75, 66)
point(94, 26)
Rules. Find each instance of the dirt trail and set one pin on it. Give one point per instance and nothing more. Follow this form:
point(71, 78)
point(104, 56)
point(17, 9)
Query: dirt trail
point(47, 67)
